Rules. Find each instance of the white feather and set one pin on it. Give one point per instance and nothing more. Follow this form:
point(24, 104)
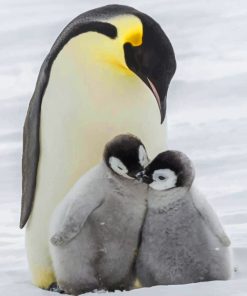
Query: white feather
point(118, 167)
point(169, 181)
point(143, 158)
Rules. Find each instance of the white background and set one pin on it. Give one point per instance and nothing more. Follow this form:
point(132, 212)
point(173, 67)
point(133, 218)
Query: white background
point(207, 116)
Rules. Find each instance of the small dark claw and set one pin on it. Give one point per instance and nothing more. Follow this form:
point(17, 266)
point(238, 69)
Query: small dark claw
point(55, 288)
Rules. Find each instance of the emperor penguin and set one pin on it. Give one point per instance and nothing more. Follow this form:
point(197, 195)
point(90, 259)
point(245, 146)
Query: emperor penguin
point(95, 229)
point(183, 240)
point(99, 80)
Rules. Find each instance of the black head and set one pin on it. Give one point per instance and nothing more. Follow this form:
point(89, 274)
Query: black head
point(153, 61)
point(169, 169)
point(125, 155)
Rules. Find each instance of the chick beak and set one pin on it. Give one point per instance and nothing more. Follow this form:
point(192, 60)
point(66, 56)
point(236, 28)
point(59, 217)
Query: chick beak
point(146, 179)
point(139, 176)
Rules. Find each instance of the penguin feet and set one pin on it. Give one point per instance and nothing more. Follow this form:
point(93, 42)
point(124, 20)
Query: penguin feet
point(55, 288)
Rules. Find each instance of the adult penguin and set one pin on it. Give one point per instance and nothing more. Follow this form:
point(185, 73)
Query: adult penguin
point(99, 80)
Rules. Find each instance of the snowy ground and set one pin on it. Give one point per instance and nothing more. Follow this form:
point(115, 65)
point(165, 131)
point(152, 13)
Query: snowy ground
point(207, 116)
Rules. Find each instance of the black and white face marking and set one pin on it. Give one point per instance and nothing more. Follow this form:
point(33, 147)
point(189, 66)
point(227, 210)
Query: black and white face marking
point(118, 167)
point(163, 179)
point(126, 156)
point(143, 157)
point(168, 170)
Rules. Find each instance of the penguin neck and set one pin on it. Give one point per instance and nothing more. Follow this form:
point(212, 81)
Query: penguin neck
point(162, 199)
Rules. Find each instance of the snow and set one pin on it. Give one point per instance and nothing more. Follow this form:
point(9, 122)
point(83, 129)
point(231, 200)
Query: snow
point(207, 116)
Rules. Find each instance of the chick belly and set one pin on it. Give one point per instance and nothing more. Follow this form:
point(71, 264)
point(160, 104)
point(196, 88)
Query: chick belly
point(117, 229)
point(181, 252)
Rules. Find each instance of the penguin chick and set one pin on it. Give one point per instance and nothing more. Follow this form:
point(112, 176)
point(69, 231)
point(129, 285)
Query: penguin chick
point(94, 232)
point(182, 238)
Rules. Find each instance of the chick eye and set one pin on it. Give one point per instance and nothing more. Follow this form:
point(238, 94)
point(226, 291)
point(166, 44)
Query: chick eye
point(161, 178)
point(120, 168)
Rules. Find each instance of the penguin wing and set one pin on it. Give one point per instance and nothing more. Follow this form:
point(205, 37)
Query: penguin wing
point(30, 157)
point(210, 217)
point(80, 207)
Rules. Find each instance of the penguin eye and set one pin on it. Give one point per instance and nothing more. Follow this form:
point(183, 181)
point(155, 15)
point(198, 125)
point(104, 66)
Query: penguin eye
point(117, 166)
point(164, 179)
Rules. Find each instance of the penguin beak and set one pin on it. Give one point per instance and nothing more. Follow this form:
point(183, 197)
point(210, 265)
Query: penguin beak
point(143, 178)
point(161, 103)
point(146, 179)
point(154, 62)
point(139, 176)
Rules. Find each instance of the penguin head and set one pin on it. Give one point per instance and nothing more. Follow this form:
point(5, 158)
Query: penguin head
point(168, 170)
point(128, 40)
point(126, 156)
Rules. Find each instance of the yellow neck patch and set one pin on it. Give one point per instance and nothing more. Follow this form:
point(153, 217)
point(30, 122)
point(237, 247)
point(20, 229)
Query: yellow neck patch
point(129, 28)
point(97, 49)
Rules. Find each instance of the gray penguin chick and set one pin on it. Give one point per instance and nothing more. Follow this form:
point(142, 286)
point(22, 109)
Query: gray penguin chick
point(95, 230)
point(182, 239)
